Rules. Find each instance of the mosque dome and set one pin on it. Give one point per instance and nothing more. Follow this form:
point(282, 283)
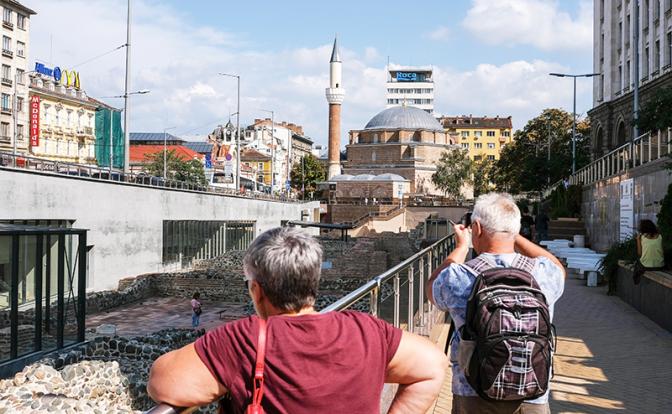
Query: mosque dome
point(404, 117)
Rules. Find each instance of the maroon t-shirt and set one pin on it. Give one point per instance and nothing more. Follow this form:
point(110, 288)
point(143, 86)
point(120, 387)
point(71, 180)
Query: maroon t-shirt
point(318, 363)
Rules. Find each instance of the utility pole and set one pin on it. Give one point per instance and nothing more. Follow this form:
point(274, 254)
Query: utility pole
point(303, 177)
point(127, 140)
point(635, 94)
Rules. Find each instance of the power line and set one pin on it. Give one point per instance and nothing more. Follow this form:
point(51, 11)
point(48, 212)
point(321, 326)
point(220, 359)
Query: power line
point(99, 56)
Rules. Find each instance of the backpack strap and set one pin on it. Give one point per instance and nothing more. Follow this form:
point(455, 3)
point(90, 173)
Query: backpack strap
point(258, 385)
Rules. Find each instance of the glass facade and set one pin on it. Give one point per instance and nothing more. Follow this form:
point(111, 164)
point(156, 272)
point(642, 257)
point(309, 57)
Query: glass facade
point(188, 240)
point(42, 290)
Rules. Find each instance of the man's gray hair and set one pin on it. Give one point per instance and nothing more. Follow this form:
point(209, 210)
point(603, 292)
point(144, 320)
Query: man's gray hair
point(286, 262)
point(497, 212)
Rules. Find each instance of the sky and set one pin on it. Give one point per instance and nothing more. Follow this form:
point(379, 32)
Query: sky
point(490, 57)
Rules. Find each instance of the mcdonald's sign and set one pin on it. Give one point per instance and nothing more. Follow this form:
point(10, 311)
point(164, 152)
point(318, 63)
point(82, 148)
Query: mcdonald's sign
point(34, 121)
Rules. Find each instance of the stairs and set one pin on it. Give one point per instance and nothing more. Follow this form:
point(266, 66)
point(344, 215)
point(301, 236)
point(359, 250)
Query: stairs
point(566, 229)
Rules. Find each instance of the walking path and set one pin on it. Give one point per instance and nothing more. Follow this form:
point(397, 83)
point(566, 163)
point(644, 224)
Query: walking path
point(609, 357)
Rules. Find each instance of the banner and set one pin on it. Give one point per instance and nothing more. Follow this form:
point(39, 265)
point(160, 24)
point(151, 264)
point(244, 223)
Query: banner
point(34, 121)
point(626, 209)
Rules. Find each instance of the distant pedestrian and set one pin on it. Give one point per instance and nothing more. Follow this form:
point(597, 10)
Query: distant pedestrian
point(526, 223)
point(196, 310)
point(541, 225)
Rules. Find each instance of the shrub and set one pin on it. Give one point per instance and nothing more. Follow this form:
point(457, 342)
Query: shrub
point(625, 250)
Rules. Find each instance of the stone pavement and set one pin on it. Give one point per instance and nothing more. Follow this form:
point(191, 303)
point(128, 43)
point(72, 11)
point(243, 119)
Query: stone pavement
point(156, 313)
point(610, 358)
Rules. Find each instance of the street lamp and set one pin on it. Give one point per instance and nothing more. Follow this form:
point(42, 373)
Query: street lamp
point(237, 181)
point(565, 75)
point(165, 152)
point(15, 118)
point(272, 146)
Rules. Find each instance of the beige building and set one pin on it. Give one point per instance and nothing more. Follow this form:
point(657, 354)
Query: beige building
point(67, 119)
point(15, 41)
point(483, 137)
point(402, 140)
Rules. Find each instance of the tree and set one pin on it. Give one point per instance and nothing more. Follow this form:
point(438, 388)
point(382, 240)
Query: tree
point(482, 172)
point(524, 164)
point(655, 114)
point(190, 171)
point(307, 172)
point(452, 171)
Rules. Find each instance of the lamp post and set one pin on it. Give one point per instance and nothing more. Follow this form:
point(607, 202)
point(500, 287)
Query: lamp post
point(565, 75)
point(272, 146)
point(165, 153)
point(15, 117)
point(237, 181)
point(127, 81)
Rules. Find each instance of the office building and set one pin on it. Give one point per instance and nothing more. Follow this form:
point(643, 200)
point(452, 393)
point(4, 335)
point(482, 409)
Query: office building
point(411, 86)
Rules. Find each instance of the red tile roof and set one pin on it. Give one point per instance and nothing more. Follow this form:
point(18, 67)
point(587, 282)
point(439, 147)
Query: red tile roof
point(139, 152)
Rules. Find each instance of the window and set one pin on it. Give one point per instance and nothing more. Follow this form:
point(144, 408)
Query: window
point(6, 72)
point(20, 49)
point(627, 74)
point(4, 130)
point(19, 132)
point(465, 145)
point(668, 60)
point(465, 134)
point(506, 133)
point(19, 104)
point(478, 157)
point(491, 133)
point(620, 77)
point(260, 166)
point(5, 102)
point(478, 134)
point(645, 69)
point(620, 35)
point(21, 21)
point(656, 56)
point(478, 145)
point(491, 157)
point(656, 9)
point(19, 76)
point(7, 16)
point(491, 145)
point(6, 43)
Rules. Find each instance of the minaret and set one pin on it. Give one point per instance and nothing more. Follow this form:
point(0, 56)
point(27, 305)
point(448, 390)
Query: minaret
point(335, 95)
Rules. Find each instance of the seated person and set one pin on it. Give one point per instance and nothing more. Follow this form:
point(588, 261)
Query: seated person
point(334, 362)
point(649, 249)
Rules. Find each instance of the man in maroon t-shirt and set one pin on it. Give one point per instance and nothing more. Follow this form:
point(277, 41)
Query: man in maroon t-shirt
point(315, 363)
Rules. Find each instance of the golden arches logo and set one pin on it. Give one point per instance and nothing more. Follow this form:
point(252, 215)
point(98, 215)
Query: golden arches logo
point(70, 78)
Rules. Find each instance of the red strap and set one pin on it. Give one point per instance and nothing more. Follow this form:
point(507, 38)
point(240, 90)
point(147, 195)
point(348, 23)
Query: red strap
point(258, 387)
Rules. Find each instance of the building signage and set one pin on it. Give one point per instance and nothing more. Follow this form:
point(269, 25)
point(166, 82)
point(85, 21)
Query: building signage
point(626, 209)
point(34, 121)
point(61, 76)
point(407, 77)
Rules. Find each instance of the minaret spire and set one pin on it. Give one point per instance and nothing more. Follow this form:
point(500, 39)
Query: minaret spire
point(335, 95)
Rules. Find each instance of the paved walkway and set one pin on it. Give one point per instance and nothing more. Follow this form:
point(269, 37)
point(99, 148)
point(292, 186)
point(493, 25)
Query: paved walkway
point(610, 357)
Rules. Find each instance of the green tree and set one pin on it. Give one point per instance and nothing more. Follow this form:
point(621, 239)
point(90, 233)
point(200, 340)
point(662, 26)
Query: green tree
point(190, 171)
point(655, 114)
point(524, 164)
point(482, 175)
point(307, 172)
point(452, 171)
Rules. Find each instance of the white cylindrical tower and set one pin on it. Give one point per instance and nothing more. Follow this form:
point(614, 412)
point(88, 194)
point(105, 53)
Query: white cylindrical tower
point(335, 95)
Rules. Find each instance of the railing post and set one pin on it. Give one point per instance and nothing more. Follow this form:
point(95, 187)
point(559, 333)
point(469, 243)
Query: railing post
point(421, 291)
point(396, 300)
point(411, 325)
point(649, 136)
point(658, 155)
point(374, 300)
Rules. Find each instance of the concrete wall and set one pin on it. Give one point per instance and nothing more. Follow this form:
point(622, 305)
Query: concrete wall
point(652, 296)
point(125, 221)
point(601, 207)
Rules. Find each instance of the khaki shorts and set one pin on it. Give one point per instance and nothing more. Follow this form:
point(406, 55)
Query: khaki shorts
point(477, 405)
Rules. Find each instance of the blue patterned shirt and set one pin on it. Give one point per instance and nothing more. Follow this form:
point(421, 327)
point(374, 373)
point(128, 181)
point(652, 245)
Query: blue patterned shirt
point(451, 290)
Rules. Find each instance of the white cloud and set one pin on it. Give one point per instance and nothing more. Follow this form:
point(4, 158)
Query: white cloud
point(539, 23)
point(179, 63)
point(441, 33)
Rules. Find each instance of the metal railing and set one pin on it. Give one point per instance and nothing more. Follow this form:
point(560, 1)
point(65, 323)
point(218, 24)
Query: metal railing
point(644, 149)
point(408, 280)
point(90, 172)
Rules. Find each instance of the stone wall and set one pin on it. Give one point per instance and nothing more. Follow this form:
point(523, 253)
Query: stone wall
point(26, 335)
point(652, 296)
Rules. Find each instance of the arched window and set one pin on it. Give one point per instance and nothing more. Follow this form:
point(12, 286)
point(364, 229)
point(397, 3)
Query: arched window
point(599, 141)
point(620, 133)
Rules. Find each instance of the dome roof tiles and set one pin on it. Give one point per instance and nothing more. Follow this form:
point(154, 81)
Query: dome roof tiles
point(404, 117)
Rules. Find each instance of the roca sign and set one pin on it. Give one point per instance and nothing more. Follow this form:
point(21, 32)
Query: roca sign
point(61, 76)
point(407, 76)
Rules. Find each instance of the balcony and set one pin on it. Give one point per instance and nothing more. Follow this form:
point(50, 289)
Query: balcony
point(8, 25)
point(7, 52)
point(6, 110)
point(6, 81)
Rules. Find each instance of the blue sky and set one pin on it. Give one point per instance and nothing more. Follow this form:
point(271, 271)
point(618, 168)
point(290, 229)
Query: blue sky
point(490, 56)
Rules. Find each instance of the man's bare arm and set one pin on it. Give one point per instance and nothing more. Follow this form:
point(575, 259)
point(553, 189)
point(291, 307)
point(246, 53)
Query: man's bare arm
point(529, 249)
point(419, 368)
point(180, 378)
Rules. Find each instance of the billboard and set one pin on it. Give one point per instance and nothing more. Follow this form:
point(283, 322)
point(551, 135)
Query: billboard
point(34, 121)
point(407, 77)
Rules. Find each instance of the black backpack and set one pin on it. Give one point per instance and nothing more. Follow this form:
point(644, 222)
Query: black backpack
point(507, 340)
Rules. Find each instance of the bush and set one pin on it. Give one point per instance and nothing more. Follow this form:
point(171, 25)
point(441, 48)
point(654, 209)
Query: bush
point(566, 202)
point(625, 250)
point(665, 224)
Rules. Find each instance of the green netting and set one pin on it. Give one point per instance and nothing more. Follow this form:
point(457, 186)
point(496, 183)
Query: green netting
point(103, 138)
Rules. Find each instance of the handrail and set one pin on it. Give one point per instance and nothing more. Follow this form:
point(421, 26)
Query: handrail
point(427, 259)
point(90, 172)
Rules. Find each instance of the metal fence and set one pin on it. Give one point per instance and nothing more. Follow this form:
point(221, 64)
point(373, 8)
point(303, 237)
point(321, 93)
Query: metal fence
point(397, 295)
point(89, 172)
